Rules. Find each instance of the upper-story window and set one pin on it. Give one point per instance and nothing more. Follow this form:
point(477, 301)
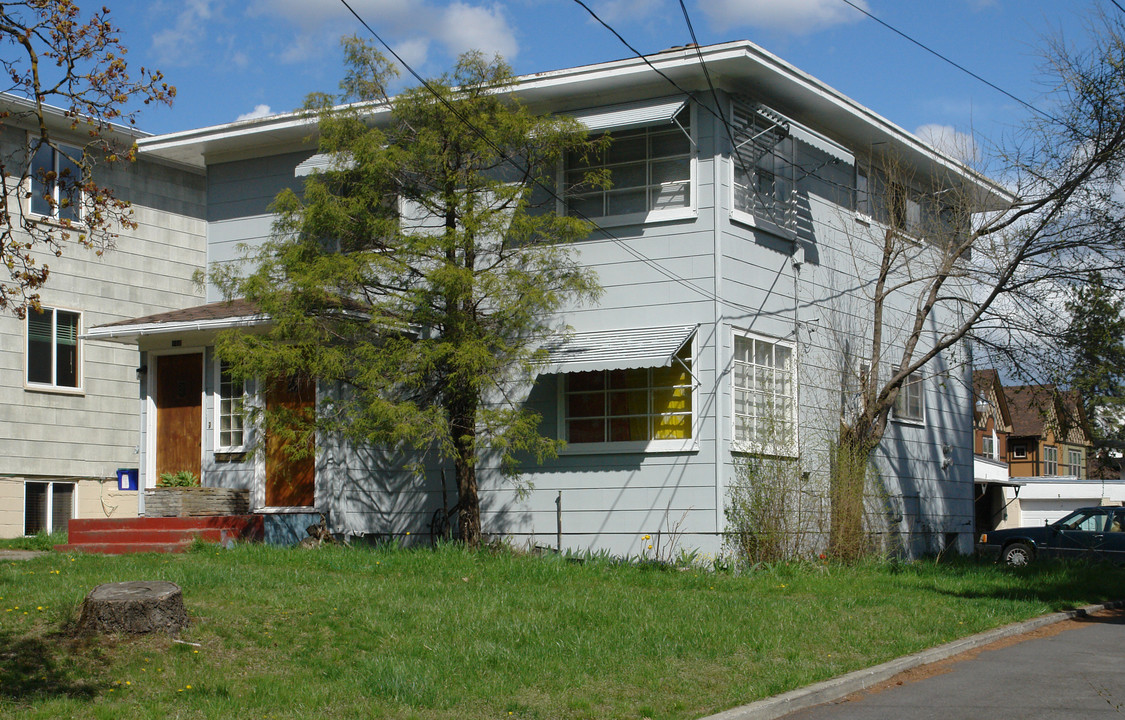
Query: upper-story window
point(910, 403)
point(763, 165)
point(53, 352)
point(649, 167)
point(1050, 461)
point(56, 182)
point(989, 445)
point(1076, 464)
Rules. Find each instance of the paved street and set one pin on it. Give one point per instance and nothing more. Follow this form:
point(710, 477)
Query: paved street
point(1075, 668)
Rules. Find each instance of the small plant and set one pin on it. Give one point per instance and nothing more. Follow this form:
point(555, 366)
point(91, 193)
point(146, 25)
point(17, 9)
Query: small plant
point(183, 478)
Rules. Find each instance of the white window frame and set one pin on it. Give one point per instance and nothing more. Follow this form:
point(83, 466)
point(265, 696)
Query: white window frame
point(989, 446)
point(1075, 468)
point(1019, 451)
point(650, 216)
point(1050, 461)
point(57, 153)
point(915, 382)
point(217, 411)
point(49, 526)
point(738, 445)
point(53, 386)
point(639, 446)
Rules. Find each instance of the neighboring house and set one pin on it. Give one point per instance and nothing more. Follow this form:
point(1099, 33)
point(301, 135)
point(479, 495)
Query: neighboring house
point(731, 306)
point(992, 424)
point(68, 404)
point(1049, 450)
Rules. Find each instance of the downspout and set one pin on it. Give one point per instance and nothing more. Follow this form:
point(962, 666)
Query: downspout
point(719, 197)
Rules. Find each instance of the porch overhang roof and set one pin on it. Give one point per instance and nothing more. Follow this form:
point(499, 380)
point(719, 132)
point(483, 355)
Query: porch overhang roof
point(212, 317)
point(617, 349)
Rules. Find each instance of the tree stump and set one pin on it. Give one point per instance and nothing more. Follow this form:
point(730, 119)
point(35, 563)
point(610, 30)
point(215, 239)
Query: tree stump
point(133, 607)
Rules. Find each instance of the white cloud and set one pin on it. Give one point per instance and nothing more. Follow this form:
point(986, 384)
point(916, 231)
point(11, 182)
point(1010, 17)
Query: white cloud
point(414, 51)
point(306, 14)
point(465, 27)
point(792, 16)
point(259, 111)
point(950, 141)
point(179, 44)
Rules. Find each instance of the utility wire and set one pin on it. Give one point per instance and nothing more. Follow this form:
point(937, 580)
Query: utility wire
point(1122, 9)
point(955, 64)
point(500, 152)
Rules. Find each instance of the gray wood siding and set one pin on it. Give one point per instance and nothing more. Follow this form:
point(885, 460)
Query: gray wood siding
point(149, 270)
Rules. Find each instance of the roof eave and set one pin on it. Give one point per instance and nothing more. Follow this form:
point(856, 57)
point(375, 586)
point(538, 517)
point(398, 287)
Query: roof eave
point(129, 334)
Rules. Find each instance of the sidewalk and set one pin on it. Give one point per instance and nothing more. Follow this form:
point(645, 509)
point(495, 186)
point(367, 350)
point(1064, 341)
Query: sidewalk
point(1012, 671)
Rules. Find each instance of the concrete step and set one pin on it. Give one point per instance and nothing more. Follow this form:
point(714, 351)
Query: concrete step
point(153, 534)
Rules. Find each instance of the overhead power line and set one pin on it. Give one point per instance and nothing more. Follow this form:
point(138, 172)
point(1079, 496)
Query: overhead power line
point(550, 190)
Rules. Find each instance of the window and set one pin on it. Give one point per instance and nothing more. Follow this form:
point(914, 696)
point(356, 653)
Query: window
point(230, 404)
point(988, 446)
point(1019, 451)
point(638, 405)
point(56, 182)
point(1050, 461)
point(47, 507)
point(763, 165)
point(909, 405)
point(53, 354)
point(764, 398)
point(1075, 464)
point(649, 167)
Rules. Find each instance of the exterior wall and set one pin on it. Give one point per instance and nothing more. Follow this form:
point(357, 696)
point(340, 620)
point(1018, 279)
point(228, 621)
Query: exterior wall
point(92, 433)
point(93, 498)
point(804, 293)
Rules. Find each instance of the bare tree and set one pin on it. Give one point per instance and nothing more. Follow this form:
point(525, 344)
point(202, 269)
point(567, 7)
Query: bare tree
point(63, 69)
point(958, 256)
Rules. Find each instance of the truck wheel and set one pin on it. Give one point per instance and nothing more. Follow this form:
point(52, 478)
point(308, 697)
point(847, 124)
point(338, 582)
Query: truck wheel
point(1018, 554)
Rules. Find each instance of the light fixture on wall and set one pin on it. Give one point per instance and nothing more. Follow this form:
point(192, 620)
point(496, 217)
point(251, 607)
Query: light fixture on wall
point(142, 371)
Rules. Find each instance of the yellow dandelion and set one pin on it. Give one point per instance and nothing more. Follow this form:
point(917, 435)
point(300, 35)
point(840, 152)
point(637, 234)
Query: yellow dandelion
point(128, 682)
point(188, 687)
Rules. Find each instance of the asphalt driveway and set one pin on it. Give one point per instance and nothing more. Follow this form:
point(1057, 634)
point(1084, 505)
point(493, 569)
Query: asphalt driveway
point(1074, 668)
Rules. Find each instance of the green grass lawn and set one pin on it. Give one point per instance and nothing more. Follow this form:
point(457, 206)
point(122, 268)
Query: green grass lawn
point(342, 633)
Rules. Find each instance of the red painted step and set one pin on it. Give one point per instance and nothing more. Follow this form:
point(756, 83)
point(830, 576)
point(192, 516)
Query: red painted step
point(153, 534)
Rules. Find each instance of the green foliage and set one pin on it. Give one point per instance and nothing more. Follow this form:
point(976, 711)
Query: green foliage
point(1095, 342)
point(183, 478)
point(764, 511)
point(417, 277)
point(373, 633)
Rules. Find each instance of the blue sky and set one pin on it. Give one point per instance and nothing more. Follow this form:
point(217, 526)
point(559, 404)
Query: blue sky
point(235, 58)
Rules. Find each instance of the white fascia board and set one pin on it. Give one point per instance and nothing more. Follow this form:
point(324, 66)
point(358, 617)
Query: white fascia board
point(132, 333)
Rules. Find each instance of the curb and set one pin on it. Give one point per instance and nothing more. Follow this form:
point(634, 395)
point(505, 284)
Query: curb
point(836, 688)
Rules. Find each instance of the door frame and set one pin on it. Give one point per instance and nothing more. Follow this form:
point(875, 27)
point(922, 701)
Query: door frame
point(150, 411)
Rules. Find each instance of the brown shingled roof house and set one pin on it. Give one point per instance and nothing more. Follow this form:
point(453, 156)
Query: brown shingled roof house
point(1050, 435)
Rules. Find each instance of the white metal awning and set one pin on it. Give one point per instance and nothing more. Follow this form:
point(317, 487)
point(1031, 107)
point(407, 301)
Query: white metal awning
point(321, 162)
point(618, 349)
point(628, 115)
point(821, 143)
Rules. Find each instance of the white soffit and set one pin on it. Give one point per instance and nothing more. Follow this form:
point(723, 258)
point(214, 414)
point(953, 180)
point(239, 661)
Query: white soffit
point(618, 349)
point(629, 115)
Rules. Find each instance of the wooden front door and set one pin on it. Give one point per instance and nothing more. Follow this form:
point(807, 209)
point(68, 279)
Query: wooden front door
point(179, 413)
point(290, 481)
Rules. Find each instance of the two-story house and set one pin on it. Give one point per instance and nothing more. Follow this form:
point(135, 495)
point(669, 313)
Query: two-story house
point(738, 220)
point(68, 403)
point(1049, 452)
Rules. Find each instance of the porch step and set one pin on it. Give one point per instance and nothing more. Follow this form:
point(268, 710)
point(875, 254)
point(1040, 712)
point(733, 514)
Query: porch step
point(155, 534)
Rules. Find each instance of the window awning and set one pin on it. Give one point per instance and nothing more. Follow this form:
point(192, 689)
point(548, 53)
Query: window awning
point(321, 162)
point(629, 115)
point(821, 143)
point(618, 349)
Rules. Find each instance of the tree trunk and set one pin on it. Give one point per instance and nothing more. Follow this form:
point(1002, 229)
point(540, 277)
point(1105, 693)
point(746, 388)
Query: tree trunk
point(133, 607)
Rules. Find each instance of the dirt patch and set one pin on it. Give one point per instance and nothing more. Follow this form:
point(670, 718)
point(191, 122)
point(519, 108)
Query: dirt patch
point(941, 667)
point(20, 554)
